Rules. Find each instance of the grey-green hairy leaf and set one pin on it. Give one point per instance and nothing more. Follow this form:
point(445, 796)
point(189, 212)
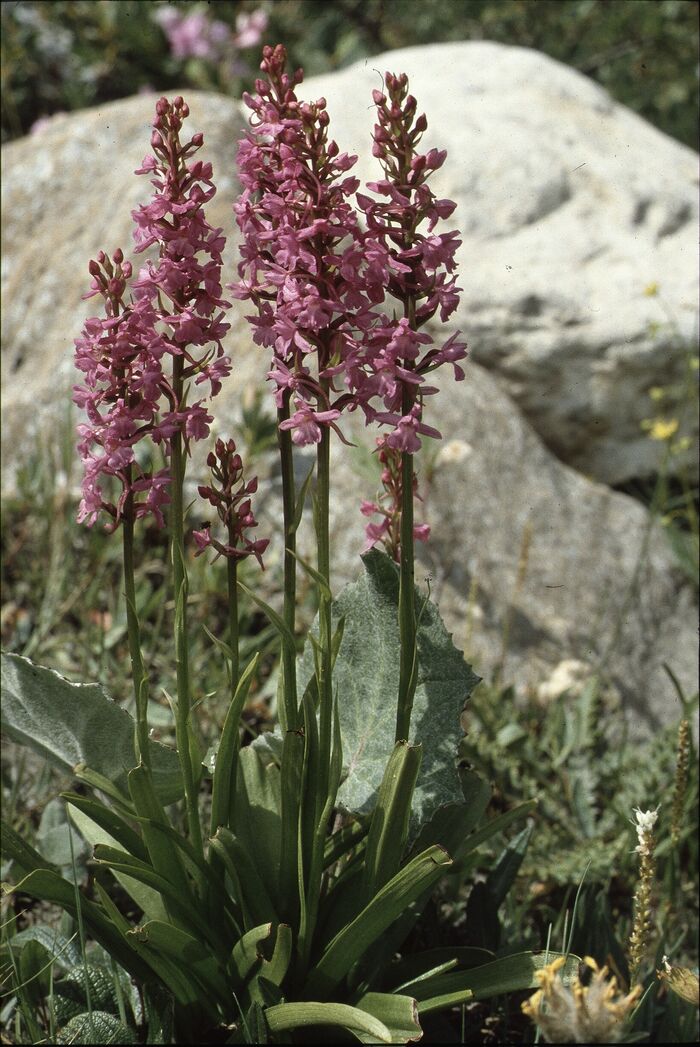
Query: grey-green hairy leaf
point(97, 1027)
point(73, 723)
point(366, 678)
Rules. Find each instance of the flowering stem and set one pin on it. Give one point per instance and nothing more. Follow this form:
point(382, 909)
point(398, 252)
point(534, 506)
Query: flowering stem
point(232, 579)
point(407, 611)
point(407, 614)
point(325, 683)
point(182, 727)
point(288, 709)
point(138, 671)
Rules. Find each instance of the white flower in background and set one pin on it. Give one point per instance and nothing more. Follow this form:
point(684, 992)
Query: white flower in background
point(453, 451)
point(568, 675)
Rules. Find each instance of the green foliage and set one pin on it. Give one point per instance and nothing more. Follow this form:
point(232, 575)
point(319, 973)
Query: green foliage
point(71, 54)
point(366, 671)
point(76, 724)
point(226, 929)
point(95, 1027)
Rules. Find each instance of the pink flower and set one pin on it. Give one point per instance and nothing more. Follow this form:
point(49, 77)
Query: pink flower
point(388, 504)
point(193, 35)
point(305, 423)
point(174, 310)
point(301, 254)
point(250, 28)
point(422, 264)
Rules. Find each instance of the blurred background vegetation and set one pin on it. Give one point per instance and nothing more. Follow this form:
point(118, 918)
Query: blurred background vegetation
point(70, 54)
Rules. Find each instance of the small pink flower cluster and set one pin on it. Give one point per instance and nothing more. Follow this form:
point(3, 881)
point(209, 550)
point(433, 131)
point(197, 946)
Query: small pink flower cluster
point(303, 252)
point(423, 264)
point(175, 306)
point(318, 279)
point(388, 504)
point(232, 505)
point(195, 35)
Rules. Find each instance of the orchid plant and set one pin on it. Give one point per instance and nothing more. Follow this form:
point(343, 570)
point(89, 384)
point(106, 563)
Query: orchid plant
point(291, 911)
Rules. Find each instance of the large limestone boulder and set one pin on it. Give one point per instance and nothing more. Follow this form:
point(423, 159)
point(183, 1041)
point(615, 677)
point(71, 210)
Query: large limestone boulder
point(599, 582)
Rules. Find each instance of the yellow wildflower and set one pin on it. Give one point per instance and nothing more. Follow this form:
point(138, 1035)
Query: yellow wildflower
point(594, 1012)
point(651, 289)
point(663, 429)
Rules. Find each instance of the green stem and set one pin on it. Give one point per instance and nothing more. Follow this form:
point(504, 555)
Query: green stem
point(182, 727)
point(288, 712)
point(407, 611)
point(232, 579)
point(325, 683)
point(133, 628)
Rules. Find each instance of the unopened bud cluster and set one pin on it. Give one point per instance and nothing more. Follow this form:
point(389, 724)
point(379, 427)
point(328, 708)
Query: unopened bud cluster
point(229, 494)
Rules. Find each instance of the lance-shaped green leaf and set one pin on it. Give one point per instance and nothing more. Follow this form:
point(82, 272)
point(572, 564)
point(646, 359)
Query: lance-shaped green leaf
point(182, 907)
point(284, 1017)
point(419, 967)
point(226, 762)
point(119, 831)
point(183, 990)
point(274, 969)
point(246, 954)
point(343, 840)
point(389, 828)
point(398, 1013)
point(353, 941)
point(509, 974)
point(258, 816)
point(251, 893)
point(26, 858)
point(95, 833)
point(365, 677)
point(48, 886)
point(69, 723)
point(164, 855)
point(194, 959)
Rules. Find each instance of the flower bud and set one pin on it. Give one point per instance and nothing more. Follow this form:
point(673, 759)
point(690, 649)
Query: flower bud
point(118, 256)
